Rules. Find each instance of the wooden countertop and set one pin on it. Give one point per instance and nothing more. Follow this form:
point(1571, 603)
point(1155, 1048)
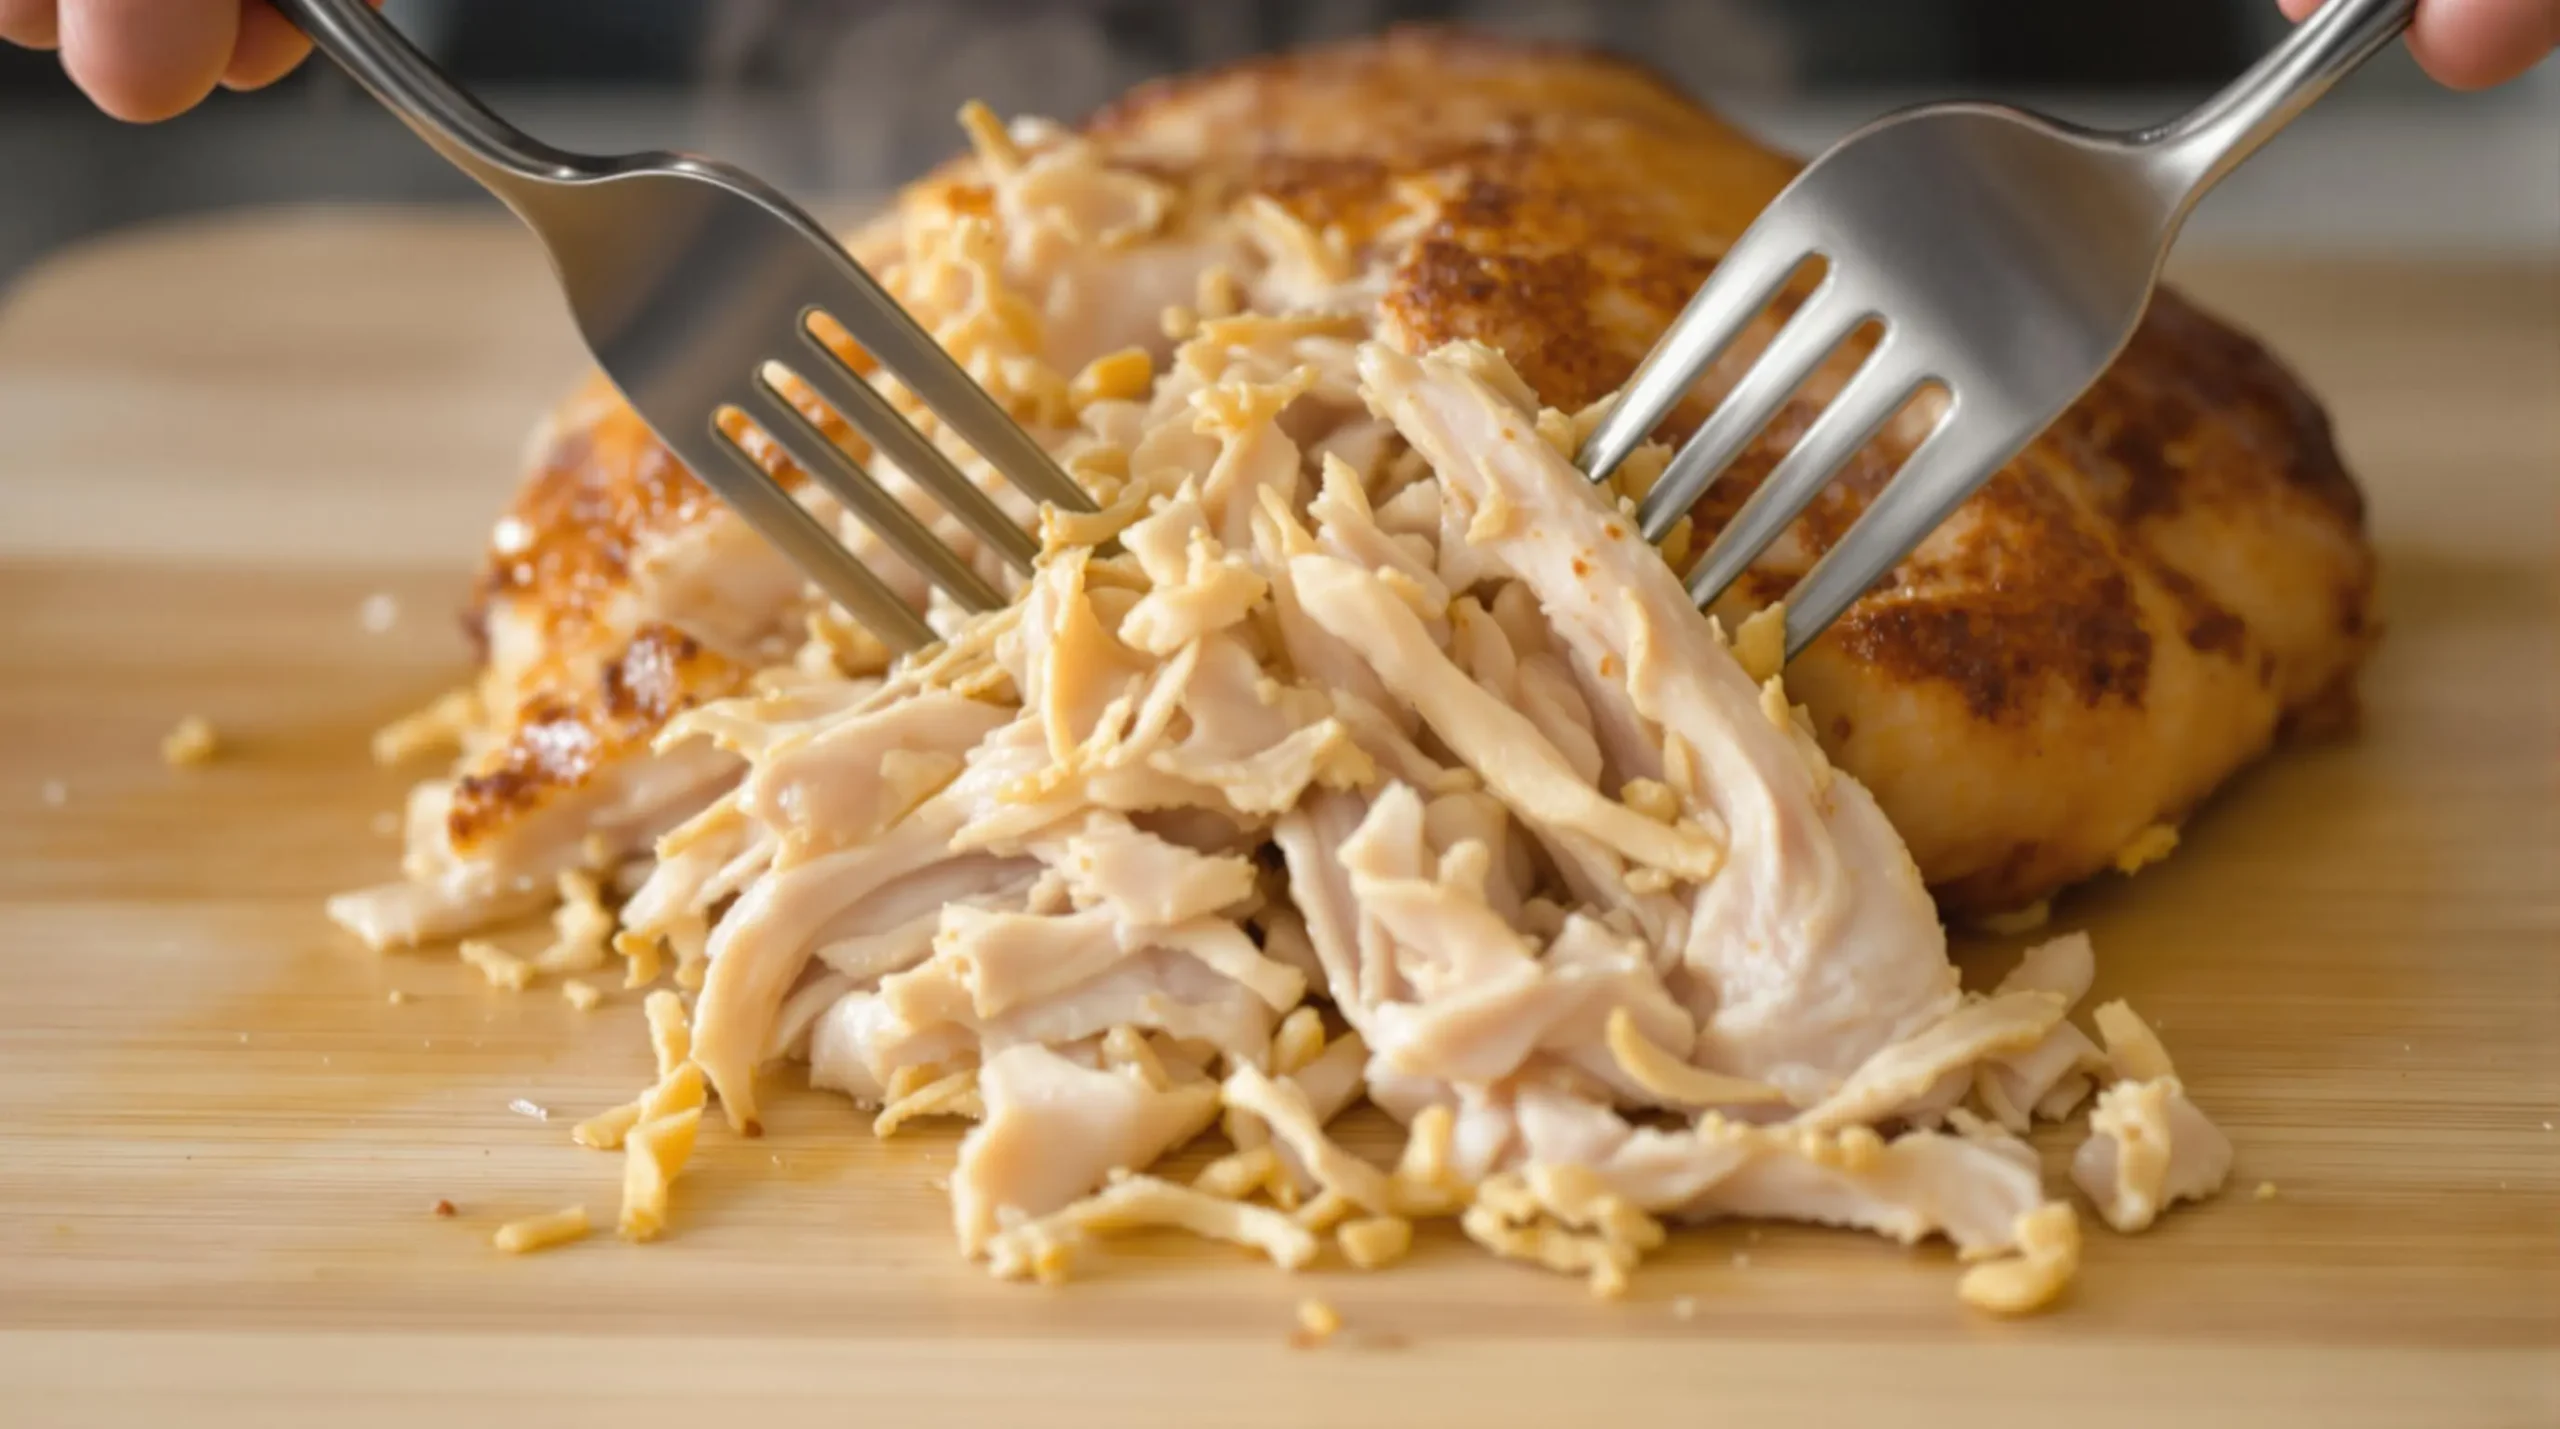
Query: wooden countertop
point(219, 1139)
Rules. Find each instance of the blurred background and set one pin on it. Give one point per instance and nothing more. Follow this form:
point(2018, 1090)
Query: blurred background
point(836, 99)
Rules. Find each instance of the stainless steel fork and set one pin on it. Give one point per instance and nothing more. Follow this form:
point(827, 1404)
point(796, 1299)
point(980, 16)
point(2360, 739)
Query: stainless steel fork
point(2008, 258)
point(693, 282)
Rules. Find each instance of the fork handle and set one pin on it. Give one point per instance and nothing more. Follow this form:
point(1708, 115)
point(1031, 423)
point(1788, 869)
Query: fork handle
point(2198, 149)
point(376, 55)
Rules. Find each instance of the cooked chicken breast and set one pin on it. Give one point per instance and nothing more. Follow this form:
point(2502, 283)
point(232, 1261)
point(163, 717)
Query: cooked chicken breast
point(1357, 745)
point(2123, 617)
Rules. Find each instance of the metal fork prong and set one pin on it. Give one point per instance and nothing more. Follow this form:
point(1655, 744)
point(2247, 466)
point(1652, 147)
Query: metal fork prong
point(884, 330)
point(869, 413)
point(803, 540)
point(1744, 281)
point(1949, 466)
point(831, 467)
point(1863, 407)
point(1821, 325)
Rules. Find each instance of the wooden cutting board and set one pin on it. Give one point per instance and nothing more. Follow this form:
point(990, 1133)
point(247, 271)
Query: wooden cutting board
point(220, 1136)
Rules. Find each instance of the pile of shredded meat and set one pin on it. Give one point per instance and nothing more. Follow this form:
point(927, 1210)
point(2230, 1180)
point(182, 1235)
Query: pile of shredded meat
point(1358, 748)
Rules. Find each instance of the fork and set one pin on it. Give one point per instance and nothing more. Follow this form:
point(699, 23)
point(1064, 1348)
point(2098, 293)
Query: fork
point(694, 283)
point(2008, 258)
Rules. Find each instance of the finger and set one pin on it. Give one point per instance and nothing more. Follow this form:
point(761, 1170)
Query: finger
point(2473, 44)
point(30, 23)
point(268, 48)
point(146, 60)
point(2298, 10)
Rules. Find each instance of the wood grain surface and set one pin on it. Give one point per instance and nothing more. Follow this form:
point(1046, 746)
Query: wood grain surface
point(220, 1138)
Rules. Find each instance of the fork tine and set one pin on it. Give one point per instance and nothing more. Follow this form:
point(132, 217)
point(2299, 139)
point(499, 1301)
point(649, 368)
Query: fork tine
point(1825, 320)
point(889, 519)
point(886, 332)
point(743, 485)
point(1863, 406)
point(922, 461)
point(1950, 464)
point(1741, 284)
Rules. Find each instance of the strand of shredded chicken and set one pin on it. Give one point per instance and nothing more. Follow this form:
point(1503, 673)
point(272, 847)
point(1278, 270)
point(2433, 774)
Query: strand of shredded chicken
point(1356, 749)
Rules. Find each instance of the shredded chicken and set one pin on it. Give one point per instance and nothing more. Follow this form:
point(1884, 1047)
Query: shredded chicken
point(191, 742)
point(532, 1233)
point(1357, 748)
point(2148, 1148)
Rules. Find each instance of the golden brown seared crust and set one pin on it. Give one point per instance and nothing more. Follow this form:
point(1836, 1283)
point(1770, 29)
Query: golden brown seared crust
point(603, 489)
point(560, 570)
point(601, 486)
point(559, 740)
point(2121, 618)
point(1580, 199)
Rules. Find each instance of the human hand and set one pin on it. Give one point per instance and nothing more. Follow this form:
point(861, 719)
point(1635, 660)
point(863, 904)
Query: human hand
point(2473, 44)
point(144, 60)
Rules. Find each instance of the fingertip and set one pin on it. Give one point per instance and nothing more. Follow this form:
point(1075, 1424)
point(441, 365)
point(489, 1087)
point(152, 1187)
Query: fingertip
point(30, 24)
point(268, 48)
point(140, 103)
point(143, 61)
point(2475, 44)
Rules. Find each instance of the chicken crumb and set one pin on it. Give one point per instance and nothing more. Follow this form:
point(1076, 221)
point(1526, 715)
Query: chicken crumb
point(654, 1152)
point(582, 927)
point(582, 994)
point(1671, 1077)
point(1684, 1307)
point(1318, 1321)
point(1239, 1174)
point(2148, 847)
point(1118, 376)
point(1042, 1249)
point(523, 1237)
point(1373, 1241)
point(441, 1210)
point(395, 997)
point(2134, 1051)
point(1329, 1209)
point(524, 1107)
point(192, 742)
point(54, 793)
point(990, 139)
point(670, 1034)
point(1760, 642)
point(386, 825)
point(1564, 1218)
point(500, 967)
point(1299, 1041)
point(643, 957)
point(604, 1131)
point(379, 612)
point(1217, 294)
point(1651, 798)
point(2048, 1240)
point(2266, 1191)
point(953, 1095)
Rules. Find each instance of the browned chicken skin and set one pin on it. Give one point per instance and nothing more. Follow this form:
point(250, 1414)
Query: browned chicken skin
point(2124, 616)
